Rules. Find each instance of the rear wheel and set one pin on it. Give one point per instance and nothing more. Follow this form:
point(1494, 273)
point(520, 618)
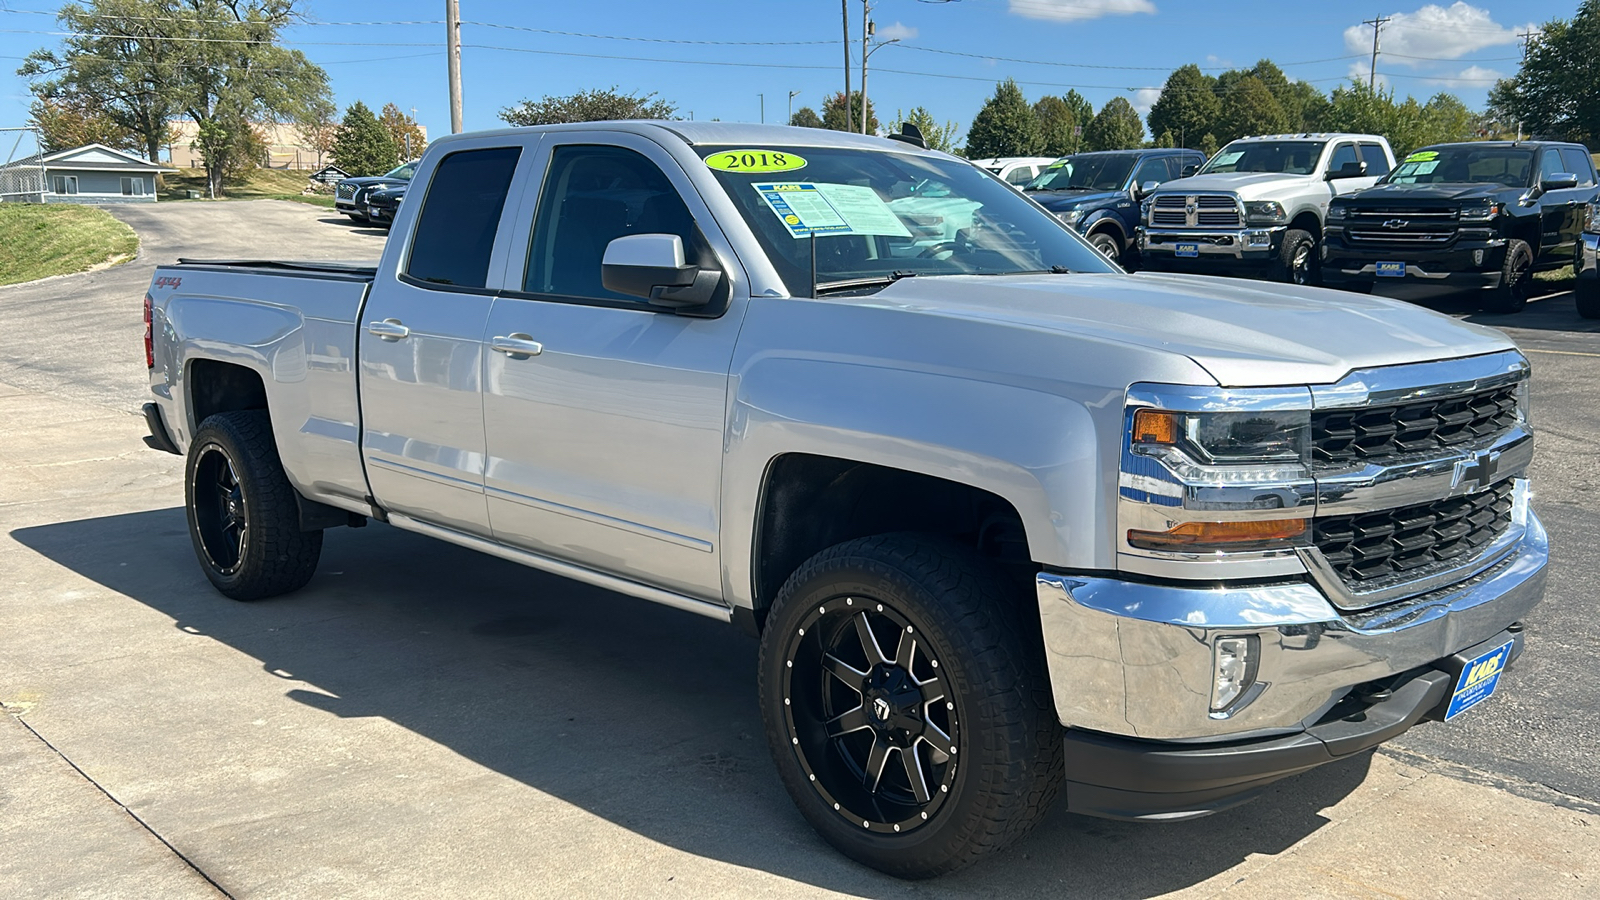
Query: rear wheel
point(907, 706)
point(1516, 280)
point(243, 518)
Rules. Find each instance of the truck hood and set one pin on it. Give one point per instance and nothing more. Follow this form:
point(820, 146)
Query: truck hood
point(1248, 185)
point(1055, 201)
point(1242, 334)
point(1402, 192)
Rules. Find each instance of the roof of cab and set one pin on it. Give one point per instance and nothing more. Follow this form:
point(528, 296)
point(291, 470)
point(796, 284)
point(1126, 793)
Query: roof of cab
point(711, 133)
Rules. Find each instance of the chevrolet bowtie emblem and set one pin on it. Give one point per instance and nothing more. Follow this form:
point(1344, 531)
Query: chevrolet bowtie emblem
point(1480, 469)
point(1396, 223)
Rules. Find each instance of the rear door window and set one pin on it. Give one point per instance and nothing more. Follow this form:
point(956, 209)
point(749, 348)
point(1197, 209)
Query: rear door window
point(1377, 162)
point(1580, 164)
point(460, 217)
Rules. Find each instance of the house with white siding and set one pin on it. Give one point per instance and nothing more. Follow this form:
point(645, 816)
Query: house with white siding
point(93, 173)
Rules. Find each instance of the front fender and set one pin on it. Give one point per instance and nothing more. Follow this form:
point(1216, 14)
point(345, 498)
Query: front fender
point(1038, 451)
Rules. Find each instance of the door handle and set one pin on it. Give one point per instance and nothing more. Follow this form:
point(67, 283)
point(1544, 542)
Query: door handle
point(516, 345)
point(388, 329)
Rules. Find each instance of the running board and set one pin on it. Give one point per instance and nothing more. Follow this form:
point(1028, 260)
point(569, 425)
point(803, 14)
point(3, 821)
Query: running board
point(565, 569)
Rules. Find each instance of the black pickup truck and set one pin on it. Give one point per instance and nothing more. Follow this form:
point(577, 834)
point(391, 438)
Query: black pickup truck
point(1473, 216)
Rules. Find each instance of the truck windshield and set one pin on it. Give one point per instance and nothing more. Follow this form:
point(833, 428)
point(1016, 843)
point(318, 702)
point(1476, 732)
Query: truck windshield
point(1084, 173)
point(1283, 157)
point(1510, 166)
point(865, 218)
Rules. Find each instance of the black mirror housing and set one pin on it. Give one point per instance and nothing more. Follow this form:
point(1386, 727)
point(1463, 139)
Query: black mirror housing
point(1348, 170)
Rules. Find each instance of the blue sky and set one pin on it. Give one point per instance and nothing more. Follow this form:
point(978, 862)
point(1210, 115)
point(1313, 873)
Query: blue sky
point(1104, 48)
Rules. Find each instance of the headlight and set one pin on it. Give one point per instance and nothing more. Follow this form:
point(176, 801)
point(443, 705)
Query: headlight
point(1483, 212)
point(1226, 437)
point(1144, 210)
point(1593, 219)
point(1269, 212)
point(1070, 216)
point(1337, 212)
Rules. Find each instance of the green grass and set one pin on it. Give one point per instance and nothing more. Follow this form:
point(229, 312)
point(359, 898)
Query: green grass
point(1557, 276)
point(57, 239)
point(262, 184)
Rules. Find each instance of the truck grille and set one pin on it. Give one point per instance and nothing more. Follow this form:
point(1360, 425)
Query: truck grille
point(1210, 211)
point(346, 192)
point(1378, 433)
point(1375, 550)
point(1407, 226)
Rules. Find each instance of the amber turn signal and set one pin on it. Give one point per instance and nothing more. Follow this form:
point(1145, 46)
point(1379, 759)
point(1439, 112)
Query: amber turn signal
point(1154, 426)
point(1218, 535)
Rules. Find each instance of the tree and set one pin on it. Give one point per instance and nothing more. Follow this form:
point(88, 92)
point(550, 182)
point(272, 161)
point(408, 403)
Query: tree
point(833, 117)
point(1188, 106)
point(1209, 145)
point(128, 75)
point(1363, 110)
point(65, 123)
point(1556, 92)
point(1165, 141)
point(806, 117)
point(1058, 133)
point(1249, 109)
point(938, 137)
point(318, 129)
point(1116, 127)
point(232, 145)
point(588, 106)
point(1082, 113)
point(364, 147)
point(1005, 126)
point(403, 131)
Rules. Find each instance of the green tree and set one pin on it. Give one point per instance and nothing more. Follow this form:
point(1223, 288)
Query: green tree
point(1188, 106)
point(1116, 127)
point(1209, 145)
point(587, 106)
point(403, 131)
point(130, 75)
point(1165, 141)
point(1358, 108)
point(1058, 133)
point(1249, 109)
point(364, 146)
point(1082, 113)
point(1556, 92)
point(1005, 126)
point(806, 117)
point(833, 113)
point(938, 137)
point(65, 123)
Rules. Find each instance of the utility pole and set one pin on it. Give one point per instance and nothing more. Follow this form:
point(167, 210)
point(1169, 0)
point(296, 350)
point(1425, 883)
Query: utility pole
point(866, 35)
point(452, 25)
point(844, 8)
point(763, 108)
point(1377, 23)
point(792, 95)
point(1527, 48)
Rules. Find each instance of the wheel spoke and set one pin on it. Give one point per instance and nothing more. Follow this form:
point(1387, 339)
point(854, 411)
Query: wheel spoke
point(847, 722)
point(937, 739)
point(913, 767)
point(932, 689)
point(877, 759)
point(851, 676)
point(905, 650)
point(869, 641)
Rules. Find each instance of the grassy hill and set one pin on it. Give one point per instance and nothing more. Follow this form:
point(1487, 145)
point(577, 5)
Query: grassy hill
point(262, 184)
point(59, 239)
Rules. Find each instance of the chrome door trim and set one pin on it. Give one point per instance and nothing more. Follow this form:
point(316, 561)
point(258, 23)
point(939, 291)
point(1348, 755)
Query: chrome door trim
point(567, 570)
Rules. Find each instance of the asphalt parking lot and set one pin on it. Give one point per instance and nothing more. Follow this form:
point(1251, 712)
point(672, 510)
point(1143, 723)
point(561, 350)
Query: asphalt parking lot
point(424, 721)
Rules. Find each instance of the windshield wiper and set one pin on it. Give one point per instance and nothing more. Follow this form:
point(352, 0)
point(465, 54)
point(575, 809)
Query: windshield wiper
point(854, 283)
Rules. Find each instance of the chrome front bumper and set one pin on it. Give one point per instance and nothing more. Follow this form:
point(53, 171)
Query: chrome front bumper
point(1135, 658)
point(1584, 260)
point(1242, 245)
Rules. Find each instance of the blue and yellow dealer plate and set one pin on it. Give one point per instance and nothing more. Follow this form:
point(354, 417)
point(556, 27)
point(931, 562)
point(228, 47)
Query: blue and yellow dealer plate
point(1478, 680)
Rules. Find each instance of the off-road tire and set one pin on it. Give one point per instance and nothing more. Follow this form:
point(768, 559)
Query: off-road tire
point(273, 556)
point(1587, 297)
point(1516, 280)
point(984, 637)
point(1292, 268)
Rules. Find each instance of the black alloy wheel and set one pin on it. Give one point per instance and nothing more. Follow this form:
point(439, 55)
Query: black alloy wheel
point(221, 514)
point(870, 718)
point(1516, 281)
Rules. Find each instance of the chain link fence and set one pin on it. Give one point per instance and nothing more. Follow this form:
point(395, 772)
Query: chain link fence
point(22, 178)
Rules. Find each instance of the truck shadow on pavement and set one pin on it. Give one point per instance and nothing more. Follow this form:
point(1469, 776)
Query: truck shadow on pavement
point(638, 714)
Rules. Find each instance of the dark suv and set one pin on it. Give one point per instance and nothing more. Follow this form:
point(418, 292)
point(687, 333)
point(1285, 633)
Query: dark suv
point(350, 197)
point(1482, 216)
point(1098, 193)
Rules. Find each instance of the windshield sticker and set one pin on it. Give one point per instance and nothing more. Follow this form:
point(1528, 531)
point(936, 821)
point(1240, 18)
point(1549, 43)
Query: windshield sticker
point(808, 209)
point(1228, 159)
point(1423, 156)
point(1421, 168)
point(755, 161)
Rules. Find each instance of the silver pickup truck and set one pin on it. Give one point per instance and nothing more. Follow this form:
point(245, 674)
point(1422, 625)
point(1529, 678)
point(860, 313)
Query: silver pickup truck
point(1006, 520)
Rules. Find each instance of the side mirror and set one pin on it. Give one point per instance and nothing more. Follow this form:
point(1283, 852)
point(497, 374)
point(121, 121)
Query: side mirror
point(1190, 169)
point(1560, 181)
point(1348, 170)
point(651, 266)
point(1145, 190)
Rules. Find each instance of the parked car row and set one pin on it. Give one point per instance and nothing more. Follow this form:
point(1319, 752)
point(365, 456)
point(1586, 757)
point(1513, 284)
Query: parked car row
point(373, 199)
point(1340, 210)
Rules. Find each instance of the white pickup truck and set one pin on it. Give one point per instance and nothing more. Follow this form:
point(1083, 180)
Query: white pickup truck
point(1006, 520)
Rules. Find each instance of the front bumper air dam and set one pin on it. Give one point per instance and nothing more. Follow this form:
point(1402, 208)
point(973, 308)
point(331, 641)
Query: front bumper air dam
point(1452, 268)
point(1123, 778)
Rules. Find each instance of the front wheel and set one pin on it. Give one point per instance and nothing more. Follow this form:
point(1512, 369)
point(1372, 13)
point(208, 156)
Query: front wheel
point(1516, 280)
point(243, 518)
point(1296, 257)
point(1107, 244)
point(907, 706)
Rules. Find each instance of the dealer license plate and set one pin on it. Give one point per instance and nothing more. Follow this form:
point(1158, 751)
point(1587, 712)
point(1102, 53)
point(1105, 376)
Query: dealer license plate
point(1478, 680)
point(1391, 270)
point(1189, 250)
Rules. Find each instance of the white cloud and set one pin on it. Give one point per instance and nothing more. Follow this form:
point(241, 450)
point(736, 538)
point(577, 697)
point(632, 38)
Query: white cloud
point(1435, 32)
point(896, 32)
point(1078, 10)
point(1143, 99)
point(1362, 72)
point(1476, 78)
